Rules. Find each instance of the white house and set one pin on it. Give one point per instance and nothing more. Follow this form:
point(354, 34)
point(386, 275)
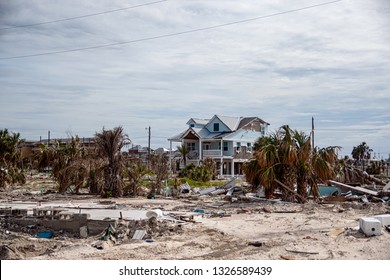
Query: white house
point(227, 140)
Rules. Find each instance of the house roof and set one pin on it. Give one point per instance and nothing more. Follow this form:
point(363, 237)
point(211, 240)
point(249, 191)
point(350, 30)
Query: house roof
point(248, 120)
point(230, 122)
point(233, 123)
point(198, 121)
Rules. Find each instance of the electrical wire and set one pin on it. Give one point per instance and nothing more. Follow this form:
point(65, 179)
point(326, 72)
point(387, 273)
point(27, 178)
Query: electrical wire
point(83, 16)
point(171, 34)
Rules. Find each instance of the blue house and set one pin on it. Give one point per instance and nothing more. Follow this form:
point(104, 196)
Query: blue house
point(227, 140)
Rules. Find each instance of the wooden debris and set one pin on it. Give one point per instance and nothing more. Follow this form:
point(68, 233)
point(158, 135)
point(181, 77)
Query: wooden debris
point(287, 258)
point(336, 232)
point(356, 189)
point(256, 243)
point(302, 252)
point(310, 238)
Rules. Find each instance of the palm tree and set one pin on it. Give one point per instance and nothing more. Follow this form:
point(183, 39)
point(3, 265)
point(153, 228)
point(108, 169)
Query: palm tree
point(134, 171)
point(361, 153)
point(110, 144)
point(10, 157)
point(303, 167)
point(159, 166)
point(252, 170)
point(276, 156)
point(286, 159)
point(67, 163)
point(183, 150)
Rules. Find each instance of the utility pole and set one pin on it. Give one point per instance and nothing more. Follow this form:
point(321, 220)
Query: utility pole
point(149, 147)
point(312, 133)
point(48, 138)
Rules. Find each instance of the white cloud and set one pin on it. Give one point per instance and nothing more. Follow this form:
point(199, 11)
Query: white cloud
point(331, 62)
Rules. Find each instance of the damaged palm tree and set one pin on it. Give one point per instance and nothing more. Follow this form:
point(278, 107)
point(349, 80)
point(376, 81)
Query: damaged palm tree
point(160, 169)
point(110, 144)
point(10, 159)
point(67, 163)
point(286, 161)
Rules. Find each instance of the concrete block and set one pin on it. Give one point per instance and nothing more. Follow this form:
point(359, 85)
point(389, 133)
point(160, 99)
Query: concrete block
point(370, 226)
point(384, 219)
point(84, 232)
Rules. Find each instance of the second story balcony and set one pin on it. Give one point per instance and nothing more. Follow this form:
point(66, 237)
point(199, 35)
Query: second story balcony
point(211, 153)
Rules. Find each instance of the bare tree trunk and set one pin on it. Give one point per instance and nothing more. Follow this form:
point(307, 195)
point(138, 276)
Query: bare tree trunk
point(300, 198)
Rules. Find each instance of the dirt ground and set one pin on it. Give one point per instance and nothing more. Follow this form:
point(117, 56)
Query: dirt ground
point(261, 230)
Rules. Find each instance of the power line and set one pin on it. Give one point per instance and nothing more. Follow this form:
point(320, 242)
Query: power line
point(83, 16)
point(171, 34)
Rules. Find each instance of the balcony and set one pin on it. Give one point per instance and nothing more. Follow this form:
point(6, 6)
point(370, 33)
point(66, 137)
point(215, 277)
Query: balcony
point(211, 153)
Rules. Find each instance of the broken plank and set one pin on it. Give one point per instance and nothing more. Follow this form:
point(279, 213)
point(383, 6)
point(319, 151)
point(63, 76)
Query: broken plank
point(302, 252)
point(360, 190)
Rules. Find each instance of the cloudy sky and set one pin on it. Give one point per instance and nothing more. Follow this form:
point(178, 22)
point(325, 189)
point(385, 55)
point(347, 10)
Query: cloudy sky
point(73, 66)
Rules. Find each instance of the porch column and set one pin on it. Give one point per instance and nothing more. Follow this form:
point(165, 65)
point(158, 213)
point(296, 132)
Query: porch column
point(170, 157)
point(200, 150)
point(221, 171)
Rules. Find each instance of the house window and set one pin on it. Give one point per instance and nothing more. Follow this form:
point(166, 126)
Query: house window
point(192, 125)
point(216, 126)
point(249, 145)
point(191, 146)
point(238, 146)
point(225, 146)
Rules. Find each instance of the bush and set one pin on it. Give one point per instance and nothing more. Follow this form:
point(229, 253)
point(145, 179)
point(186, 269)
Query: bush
point(187, 170)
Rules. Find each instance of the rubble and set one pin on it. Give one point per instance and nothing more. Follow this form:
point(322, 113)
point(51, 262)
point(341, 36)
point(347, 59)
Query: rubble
point(209, 226)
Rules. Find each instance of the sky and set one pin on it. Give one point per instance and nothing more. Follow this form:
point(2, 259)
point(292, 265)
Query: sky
point(73, 67)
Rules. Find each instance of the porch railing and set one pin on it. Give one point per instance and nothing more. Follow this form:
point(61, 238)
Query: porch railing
point(211, 153)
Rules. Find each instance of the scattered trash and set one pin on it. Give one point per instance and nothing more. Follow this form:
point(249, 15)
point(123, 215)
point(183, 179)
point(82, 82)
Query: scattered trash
point(336, 232)
point(148, 240)
point(329, 191)
point(139, 234)
point(310, 238)
point(108, 233)
point(364, 199)
point(154, 213)
point(45, 234)
point(233, 189)
point(199, 211)
point(221, 213)
point(265, 210)
point(185, 188)
point(256, 243)
point(207, 190)
point(387, 187)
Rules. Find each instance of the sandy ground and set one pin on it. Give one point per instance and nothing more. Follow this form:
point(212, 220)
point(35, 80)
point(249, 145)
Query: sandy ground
point(263, 230)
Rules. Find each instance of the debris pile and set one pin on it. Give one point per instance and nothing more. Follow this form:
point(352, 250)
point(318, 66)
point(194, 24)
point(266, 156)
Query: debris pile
point(124, 231)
